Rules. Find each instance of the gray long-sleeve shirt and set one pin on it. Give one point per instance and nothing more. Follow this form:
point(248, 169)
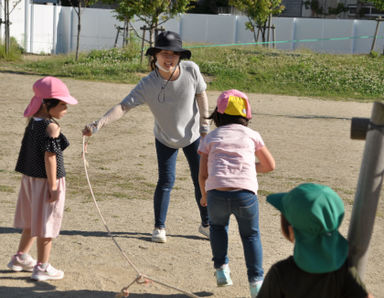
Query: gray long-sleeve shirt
point(180, 107)
point(173, 104)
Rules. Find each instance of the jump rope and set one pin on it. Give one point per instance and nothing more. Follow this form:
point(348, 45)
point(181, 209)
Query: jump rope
point(140, 277)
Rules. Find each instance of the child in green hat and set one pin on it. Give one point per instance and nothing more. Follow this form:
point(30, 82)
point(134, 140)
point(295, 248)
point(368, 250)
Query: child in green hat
point(310, 217)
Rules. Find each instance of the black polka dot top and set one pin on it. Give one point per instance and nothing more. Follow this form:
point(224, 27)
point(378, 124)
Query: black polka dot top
point(33, 147)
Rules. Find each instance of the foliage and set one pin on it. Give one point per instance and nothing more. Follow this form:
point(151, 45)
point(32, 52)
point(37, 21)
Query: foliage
point(378, 4)
point(124, 9)
point(340, 8)
point(374, 54)
point(15, 51)
point(78, 5)
point(258, 13)
point(300, 73)
point(152, 12)
point(119, 65)
point(318, 10)
point(259, 70)
point(207, 6)
point(315, 7)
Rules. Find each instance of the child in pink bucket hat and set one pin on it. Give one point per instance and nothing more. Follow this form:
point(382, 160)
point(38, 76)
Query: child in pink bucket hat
point(228, 182)
point(40, 204)
point(46, 88)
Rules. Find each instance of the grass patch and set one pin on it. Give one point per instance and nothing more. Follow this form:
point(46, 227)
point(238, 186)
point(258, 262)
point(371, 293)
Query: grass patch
point(14, 54)
point(112, 185)
point(6, 188)
point(247, 68)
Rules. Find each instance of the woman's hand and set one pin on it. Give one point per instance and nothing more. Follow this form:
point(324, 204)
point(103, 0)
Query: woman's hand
point(87, 131)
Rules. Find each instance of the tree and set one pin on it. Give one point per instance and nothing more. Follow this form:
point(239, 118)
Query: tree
point(378, 4)
point(207, 6)
point(7, 23)
point(152, 12)
point(77, 6)
point(259, 13)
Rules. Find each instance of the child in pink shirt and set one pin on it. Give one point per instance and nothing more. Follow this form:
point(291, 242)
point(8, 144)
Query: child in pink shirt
point(228, 182)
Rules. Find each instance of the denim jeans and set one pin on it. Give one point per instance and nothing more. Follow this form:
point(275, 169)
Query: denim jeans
point(244, 206)
point(166, 160)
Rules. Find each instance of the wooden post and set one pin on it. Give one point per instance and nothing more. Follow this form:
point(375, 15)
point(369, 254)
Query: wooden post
point(273, 36)
point(117, 35)
point(125, 34)
point(6, 23)
point(368, 190)
point(144, 28)
point(378, 20)
point(157, 30)
point(269, 30)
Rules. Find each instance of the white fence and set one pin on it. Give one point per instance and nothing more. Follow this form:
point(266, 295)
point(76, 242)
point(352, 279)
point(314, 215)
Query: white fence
point(53, 29)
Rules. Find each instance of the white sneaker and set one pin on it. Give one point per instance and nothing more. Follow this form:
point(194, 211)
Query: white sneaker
point(22, 262)
point(204, 231)
point(223, 276)
point(39, 273)
point(254, 288)
point(159, 235)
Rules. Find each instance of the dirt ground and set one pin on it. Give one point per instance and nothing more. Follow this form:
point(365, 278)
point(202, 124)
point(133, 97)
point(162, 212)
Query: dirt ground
point(309, 138)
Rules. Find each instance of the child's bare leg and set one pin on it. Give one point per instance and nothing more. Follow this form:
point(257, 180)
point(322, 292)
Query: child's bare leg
point(22, 261)
point(43, 270)
point(44, 246)
point(26, 241)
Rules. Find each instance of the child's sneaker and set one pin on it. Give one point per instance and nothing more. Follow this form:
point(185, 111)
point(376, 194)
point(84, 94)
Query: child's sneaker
point(22, 262)
point(159, 235)
point(204, 230)
point(254, 288)
point(223, 276)
point(40, 273)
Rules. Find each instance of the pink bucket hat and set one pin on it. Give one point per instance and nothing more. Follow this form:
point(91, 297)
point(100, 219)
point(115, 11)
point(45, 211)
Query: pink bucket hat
point(234, 102)
point(48, 87)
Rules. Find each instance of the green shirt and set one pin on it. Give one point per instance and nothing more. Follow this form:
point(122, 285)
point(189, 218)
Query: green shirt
point(286, 280)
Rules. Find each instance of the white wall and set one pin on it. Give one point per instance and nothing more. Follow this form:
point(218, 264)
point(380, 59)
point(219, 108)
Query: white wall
point(53, 29)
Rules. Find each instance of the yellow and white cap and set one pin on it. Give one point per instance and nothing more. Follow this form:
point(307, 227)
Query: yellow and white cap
point(234, 102)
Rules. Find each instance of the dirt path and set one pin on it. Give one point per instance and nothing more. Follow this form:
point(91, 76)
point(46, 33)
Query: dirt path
point(309, 139)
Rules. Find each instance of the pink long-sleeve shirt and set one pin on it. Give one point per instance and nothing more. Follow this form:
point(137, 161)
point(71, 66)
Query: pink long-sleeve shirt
point(231, 157)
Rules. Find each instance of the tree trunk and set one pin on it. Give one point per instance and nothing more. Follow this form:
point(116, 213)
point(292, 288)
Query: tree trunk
point(78, 30)
point(256, 35)
point(263, 31)
point(359, 6)
point(6, 21)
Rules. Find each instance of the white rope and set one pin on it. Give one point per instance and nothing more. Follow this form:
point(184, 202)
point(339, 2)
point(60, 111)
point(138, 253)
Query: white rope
point(140, 278)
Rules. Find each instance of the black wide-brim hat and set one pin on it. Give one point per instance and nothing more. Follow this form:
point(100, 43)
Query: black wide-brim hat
point(169, 41)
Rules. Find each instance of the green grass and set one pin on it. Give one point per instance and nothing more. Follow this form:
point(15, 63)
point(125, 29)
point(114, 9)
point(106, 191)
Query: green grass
point(14, 53)
point(247, 68)
point(6, 188)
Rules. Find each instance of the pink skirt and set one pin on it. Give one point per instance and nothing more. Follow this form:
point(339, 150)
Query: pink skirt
point(33, 211)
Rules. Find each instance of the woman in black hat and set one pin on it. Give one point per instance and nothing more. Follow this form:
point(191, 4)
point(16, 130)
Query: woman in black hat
point(175, 94)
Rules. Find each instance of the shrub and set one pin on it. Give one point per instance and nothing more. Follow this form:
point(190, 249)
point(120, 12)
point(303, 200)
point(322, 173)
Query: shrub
point(15, 51)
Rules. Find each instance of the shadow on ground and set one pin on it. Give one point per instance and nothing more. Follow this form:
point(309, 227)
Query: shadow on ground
point(41, 289)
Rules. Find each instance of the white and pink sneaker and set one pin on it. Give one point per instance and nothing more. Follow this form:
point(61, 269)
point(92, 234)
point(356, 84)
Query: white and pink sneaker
point(43, 272)
point(22, 262)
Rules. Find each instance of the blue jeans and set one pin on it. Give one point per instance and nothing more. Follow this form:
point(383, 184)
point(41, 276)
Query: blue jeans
point(166, 160)
point(245, 206)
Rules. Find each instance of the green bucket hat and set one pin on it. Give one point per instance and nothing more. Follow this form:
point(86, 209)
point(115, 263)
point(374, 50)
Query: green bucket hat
point(315, 212)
